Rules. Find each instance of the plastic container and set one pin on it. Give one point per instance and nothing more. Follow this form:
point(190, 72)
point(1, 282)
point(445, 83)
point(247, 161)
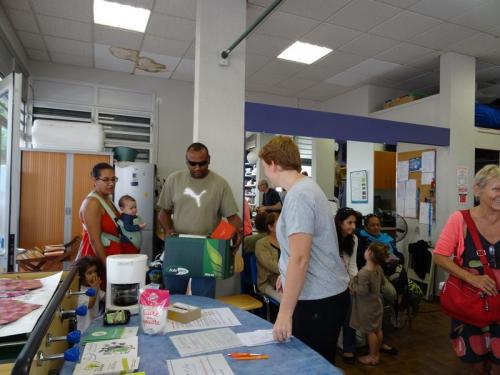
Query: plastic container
point(122, 153)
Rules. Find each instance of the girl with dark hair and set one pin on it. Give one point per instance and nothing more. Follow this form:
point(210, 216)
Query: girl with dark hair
point(90, 273)
point(101, 236)
point(345, 224)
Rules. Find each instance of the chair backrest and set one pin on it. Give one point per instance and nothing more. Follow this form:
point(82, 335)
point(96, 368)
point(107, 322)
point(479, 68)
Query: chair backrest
point(249, 274)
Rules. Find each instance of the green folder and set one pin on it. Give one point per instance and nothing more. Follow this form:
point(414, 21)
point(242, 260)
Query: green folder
point(104, 333)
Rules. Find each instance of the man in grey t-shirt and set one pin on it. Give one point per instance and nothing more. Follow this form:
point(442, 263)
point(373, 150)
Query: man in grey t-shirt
point(194, 202)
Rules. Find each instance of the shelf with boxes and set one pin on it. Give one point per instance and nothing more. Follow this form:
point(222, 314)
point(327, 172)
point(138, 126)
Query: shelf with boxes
point(250, 183)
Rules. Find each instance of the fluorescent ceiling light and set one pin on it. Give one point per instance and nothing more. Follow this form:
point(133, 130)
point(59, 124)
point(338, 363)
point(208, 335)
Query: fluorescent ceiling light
point(119, 15)
point(304, 53)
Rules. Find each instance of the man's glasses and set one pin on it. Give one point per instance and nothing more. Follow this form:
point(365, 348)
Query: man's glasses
point(197, 163)
point(107, 180)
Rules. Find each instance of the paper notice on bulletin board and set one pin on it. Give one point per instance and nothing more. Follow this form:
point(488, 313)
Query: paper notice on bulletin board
point(359, 187)
point(462, 185)
point(410, 209)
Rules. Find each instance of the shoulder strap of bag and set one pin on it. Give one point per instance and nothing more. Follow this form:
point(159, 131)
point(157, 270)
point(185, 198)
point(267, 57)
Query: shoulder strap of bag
point(106, 207)
point(471, 226)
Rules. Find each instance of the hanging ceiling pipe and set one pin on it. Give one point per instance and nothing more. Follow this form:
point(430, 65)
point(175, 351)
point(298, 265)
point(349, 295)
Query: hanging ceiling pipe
point(225, 54)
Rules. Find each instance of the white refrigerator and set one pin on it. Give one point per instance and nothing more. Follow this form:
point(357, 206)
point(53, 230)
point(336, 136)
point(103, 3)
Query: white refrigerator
point(137, 180)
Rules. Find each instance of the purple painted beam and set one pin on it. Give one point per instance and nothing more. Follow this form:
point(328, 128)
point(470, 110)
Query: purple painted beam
point(293, 121)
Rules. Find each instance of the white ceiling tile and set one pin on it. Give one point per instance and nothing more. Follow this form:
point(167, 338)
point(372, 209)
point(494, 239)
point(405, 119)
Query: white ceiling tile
point(315, 9)
point(328, 35)
point(144, 4)
point(483, 17)
point(39, 55)
point(399, 3)
point(481, 65)
point(405, 26)
point(16, 4)
point(368, 45)
point(421, 81)
point(64, 28)
point(62, 58)
point(266, 45)
point(266, 78)
point(428, 62)
point(178, 8)
point(442, 36)
point(276, 90)
point(186, 66)
point(164, 46)
point(31, 40)
point(444, 9)
point(80, 10)
point(254, 62)
point(68, 47)
point(402, 73)
point(171, 27)
point(170, 62)
point(337, 62)
point(322, 91)
point(492, 57)
point(491, 74)
point(297, 83)
point(373, 67)
point(282, 67)
point(24, 21)
point(381, 82)
point(182, 76)
point(347, 79)
point(263, 3)
point(478, 44)
point(191, 52)
point(105, 60)
point(286, 25)
point(112, 36)
point(253, 12)
point(363, 14)
point(314, 73)
point(404, 53)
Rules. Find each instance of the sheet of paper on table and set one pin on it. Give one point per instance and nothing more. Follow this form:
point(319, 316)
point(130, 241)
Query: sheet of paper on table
point(41, 296)
point(210, 318)
point(119, 347)
point(258, 337)
point(214, 364)
point(107, 365)
point(205, 341)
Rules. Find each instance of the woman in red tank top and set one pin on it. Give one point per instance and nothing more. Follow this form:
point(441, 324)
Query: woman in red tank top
point(96, 220)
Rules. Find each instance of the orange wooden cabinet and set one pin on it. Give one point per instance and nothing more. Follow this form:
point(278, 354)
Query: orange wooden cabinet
point(385, 170)
point(53, 185)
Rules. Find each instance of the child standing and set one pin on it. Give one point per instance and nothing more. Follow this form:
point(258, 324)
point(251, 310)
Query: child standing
point(89, 273)
point(367, 308)
point(131, 225)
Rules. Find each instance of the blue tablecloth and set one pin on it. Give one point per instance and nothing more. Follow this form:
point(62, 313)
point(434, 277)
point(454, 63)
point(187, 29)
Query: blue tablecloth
point(292, 357)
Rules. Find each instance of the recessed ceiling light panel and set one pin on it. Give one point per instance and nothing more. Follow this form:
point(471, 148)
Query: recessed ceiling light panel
point(304, 53)
point(118, 15)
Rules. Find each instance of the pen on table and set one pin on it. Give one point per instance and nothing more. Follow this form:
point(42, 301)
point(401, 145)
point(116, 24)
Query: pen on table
point(247, 356)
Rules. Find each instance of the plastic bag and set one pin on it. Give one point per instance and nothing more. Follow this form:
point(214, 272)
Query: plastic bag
point(154, 310)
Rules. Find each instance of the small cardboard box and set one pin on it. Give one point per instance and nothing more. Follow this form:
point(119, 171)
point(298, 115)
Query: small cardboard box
point(184, 313)
point(198, 257)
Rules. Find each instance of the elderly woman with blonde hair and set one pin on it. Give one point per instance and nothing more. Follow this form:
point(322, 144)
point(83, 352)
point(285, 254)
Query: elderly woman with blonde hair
point(479, 347)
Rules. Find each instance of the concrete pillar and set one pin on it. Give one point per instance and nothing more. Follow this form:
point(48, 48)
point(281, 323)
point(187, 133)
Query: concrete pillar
point(457, 97)
point(323, 165)
point(219, 95)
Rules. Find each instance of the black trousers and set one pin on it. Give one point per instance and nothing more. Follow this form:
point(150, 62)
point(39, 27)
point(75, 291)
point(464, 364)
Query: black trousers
point(318, 322)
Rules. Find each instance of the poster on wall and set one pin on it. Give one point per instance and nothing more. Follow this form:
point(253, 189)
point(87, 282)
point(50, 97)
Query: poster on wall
point(359, 187)
point(462, 186)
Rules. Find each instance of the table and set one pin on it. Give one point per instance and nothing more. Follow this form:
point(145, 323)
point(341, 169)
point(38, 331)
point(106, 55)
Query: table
point(293, 357)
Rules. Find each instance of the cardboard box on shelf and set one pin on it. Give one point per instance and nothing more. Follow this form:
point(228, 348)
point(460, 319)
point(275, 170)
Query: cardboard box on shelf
point(195, 256)
point(402, 100)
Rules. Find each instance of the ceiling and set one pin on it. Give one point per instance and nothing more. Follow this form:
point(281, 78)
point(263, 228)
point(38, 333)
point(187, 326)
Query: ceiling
point(364, 34)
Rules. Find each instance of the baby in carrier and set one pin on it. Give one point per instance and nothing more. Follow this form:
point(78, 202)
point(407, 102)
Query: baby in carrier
point(130, 225)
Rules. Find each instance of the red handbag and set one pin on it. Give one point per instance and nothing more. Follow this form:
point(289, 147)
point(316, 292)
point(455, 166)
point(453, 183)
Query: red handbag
point(463, 301)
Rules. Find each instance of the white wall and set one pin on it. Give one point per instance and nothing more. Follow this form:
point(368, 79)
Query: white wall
point(174, 105)
point(424, 111)
point(284, 101)
point(360, 156)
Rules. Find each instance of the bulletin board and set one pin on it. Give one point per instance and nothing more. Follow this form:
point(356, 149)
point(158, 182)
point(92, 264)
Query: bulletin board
point(416, 185)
